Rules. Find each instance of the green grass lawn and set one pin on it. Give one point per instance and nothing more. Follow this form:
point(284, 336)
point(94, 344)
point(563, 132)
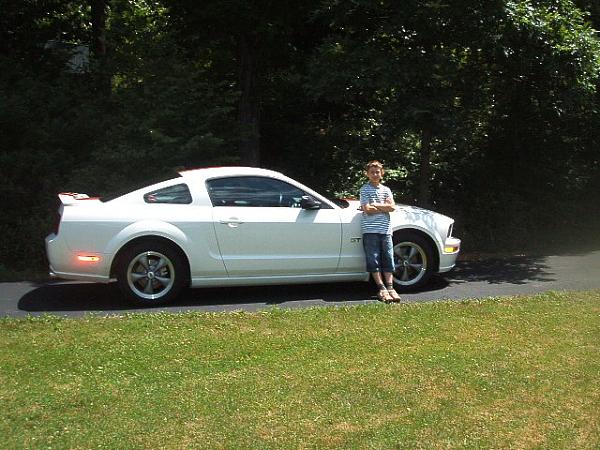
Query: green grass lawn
point(520, 372)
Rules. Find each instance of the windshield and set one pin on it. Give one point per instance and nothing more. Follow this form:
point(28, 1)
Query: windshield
point(341, 202)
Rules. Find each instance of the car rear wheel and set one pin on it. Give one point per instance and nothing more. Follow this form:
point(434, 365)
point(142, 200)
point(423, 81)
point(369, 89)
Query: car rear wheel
point(413, 260)
point(151, 273)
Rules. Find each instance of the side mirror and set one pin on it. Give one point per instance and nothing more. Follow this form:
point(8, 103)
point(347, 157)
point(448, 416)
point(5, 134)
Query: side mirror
point(307, 202)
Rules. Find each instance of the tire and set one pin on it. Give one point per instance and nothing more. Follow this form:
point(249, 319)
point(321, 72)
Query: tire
point(151, 273)
point(413, 260)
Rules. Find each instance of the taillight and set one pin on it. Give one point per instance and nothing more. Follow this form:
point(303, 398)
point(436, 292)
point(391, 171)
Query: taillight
point(87, 258)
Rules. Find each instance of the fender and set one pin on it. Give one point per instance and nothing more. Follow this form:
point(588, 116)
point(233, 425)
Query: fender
point(147, 228)
point(406, 217)
point(434, 237)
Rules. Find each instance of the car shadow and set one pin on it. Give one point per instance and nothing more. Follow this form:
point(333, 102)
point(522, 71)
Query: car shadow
point(511, 270)
point(92, 297)
point(72, 296)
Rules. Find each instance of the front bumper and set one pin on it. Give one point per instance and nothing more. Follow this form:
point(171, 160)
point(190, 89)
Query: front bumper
point(449, 254)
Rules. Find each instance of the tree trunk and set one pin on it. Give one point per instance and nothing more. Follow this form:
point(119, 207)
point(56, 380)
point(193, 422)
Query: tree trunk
point(249, 106)
point(425, 167)
point(101, 76)
point(98, 28)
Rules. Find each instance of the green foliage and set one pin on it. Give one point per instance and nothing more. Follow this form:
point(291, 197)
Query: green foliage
point(490, 106)
point(544, 84)
point(61, 132)
point(508, 91)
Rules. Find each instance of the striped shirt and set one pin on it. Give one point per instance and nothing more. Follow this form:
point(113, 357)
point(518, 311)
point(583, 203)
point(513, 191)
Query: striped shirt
point(380, 222)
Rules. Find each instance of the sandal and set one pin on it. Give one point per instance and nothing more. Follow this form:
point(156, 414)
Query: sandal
point(394, 295)
point(384, 296)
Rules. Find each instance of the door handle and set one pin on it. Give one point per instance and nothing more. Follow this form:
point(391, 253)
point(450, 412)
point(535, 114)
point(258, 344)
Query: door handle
point(232, 222)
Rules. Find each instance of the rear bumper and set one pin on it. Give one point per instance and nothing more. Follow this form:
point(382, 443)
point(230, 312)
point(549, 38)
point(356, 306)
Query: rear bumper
point(64, 263)
point(77, 276)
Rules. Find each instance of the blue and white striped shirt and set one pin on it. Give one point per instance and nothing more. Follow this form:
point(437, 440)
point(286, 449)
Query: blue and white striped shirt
point(380, 222)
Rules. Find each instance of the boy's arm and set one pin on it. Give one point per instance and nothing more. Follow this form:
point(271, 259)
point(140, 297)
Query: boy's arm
point(370, 208)
point(374, 208)
point(385, 207)
point(365, 206)
point(388, 205)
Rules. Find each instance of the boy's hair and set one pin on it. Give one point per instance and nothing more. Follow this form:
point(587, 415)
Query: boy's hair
point(374, 163)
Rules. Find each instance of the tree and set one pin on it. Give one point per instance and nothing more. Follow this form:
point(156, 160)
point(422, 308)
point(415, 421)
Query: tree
point(98, 16)
point(592, 8)
point(405, 66)
point(162, 112)
point(481, 99)
point(257, 37)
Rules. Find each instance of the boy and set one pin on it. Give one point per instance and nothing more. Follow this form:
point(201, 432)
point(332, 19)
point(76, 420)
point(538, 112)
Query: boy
point(377, 201)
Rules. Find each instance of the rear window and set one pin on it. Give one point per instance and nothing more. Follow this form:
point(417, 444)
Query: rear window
point(178, 194)
point(139, 185)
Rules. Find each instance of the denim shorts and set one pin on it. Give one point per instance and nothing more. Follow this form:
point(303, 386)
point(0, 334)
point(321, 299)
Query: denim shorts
point(379, 251)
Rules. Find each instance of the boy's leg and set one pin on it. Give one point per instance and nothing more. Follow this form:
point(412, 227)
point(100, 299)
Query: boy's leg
point(372, 246)
point(372, 252)
point(383, 293)
point(387, 263)
point(377, 279)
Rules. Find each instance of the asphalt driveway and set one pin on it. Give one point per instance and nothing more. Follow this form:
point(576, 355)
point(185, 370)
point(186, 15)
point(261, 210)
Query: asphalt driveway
point(479, 278)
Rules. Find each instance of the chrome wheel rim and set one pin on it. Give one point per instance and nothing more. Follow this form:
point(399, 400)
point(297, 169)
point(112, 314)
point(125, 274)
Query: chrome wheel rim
point(150, 275)
point(411, 263)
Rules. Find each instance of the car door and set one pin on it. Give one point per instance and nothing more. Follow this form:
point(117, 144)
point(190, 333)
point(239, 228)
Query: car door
point(262, 229)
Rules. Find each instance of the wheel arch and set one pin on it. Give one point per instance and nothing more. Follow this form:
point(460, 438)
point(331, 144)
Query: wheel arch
point(149, 238)
point(399, 232)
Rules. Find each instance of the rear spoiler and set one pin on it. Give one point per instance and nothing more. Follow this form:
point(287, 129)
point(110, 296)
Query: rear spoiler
point(72, 198)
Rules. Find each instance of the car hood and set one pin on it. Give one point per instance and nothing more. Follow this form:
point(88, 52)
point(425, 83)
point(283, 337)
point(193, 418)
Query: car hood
point(355, 204)
point(418, 217)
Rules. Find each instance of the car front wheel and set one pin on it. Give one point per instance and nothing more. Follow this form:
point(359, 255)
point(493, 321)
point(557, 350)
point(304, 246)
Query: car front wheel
point(151, 273)
point(413, 260)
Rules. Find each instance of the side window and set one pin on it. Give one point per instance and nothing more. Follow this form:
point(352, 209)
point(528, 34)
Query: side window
point(178, 194)
point(253, 192)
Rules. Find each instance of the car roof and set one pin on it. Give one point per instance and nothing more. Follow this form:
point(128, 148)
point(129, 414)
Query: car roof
point(203, 174)
point(211, 172)
point(198, 176)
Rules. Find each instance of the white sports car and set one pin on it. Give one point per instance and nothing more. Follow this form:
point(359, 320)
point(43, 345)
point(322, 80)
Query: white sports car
point(233, 226)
